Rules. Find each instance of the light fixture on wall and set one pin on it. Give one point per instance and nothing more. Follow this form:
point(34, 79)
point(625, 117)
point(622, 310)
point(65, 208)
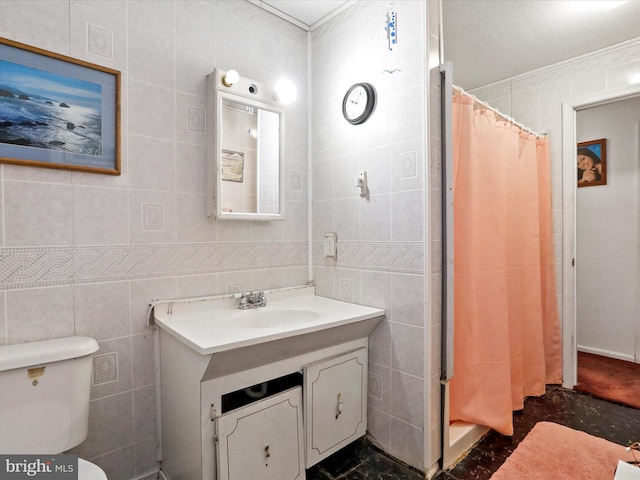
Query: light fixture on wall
point(285, 91)
point(230, 78)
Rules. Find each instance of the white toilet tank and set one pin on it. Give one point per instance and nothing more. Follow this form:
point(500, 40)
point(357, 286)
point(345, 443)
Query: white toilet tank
point(44, 405)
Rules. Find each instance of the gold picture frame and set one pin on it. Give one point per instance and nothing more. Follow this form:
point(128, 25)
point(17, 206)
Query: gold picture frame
point(592, 163)
point(58, 112)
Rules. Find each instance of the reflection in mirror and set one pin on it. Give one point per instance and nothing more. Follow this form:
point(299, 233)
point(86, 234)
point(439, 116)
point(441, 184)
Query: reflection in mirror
point(245, 150)
point(249, 159)
point(268, 164)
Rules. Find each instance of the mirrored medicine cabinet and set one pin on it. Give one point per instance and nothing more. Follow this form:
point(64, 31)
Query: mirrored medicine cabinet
point(245, 149)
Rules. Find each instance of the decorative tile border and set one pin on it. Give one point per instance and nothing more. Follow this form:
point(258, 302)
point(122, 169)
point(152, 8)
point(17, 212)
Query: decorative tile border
point(402, 257)
point(31, 267)
point(35, 266)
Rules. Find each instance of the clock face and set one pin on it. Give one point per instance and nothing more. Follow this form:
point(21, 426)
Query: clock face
point(358, 103)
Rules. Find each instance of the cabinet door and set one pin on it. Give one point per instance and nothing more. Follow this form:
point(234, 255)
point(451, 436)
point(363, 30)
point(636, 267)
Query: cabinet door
point(335, 393)
point(263, 440)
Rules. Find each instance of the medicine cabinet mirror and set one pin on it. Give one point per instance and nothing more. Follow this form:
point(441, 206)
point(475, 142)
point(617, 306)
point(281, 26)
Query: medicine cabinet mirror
point(245, 149)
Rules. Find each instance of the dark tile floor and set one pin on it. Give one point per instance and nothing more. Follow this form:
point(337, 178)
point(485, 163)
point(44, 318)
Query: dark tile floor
point(361, 461)
point(616, 423)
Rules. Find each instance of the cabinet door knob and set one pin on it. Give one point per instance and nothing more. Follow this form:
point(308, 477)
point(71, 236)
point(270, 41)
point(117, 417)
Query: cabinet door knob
point(266, 451)
point(339, 409)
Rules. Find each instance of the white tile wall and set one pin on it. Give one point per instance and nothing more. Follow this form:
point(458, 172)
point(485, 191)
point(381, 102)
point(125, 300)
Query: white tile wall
point(406, 401)
point(155, 166)
point(99, 216)
point(375, 216)
point(37, 214)
point(78, 256)
point(37, 23)
point(381, 249)
point(39, 314)
point(151, 55)
point(102, 310)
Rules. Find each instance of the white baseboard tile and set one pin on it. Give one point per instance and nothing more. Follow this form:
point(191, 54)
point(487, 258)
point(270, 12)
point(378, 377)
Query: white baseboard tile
point(606, 353)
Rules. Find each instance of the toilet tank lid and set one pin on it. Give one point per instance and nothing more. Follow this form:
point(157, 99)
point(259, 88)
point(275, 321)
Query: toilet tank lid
point(46, 351)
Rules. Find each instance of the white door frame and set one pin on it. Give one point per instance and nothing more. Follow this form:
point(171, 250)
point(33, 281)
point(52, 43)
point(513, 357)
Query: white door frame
point(569, 240)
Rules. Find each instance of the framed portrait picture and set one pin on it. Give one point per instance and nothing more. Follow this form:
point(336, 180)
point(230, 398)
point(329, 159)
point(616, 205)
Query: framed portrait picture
point(592, 163)
point(58, 112)
point(232, 166)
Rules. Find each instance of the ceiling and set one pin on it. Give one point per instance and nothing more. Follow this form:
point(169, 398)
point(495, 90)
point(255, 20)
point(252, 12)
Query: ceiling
point(490, 40)
point(307, 12)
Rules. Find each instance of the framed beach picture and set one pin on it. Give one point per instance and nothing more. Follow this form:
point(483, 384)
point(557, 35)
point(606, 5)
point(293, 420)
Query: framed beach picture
point(592, 163)
point(58, 112)
point(232, 166)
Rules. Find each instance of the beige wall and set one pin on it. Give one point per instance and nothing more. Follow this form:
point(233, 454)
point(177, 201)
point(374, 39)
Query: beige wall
point(607, 235)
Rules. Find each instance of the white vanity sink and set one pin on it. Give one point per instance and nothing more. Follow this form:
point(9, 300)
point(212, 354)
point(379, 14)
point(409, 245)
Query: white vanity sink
point(310, 353)
point(272, 318)
point(216, 324)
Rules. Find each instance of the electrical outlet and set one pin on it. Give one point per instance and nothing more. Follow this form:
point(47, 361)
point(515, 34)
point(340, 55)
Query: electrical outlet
point(330, 244)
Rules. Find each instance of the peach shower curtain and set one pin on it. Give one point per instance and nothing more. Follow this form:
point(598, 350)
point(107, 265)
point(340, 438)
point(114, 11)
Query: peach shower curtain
point(507, 343)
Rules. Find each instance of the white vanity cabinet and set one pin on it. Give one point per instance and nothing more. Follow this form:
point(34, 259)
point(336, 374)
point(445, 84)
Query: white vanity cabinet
point(315, 400)
point(335, 392)
point(262, 440)
point(201, 441)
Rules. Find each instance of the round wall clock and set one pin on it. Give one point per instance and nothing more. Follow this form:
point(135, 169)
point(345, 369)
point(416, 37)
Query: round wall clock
point(359, 103)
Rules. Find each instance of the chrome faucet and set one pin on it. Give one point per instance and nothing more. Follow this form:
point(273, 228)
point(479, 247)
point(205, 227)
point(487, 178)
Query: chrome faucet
point(252, 300)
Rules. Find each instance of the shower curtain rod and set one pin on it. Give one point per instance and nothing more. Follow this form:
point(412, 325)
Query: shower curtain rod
point(509, 119)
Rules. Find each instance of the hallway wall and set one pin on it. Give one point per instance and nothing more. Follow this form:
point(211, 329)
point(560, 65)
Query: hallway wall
point(607, 234)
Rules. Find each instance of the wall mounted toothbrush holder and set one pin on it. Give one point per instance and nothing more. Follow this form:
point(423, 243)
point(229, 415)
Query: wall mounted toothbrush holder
point(361, 183)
